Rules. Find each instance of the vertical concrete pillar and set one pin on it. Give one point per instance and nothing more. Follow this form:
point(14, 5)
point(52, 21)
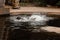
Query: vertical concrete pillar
point(1, 3)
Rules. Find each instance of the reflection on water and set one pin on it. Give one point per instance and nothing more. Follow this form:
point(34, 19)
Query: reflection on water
point(40, 3)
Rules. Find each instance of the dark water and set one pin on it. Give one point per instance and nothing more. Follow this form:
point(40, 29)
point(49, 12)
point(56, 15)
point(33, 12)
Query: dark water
point(55, 22)
point(25, 35)
point(19, 34)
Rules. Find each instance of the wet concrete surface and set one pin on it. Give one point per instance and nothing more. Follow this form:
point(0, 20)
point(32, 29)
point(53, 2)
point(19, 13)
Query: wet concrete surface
point(2, 25)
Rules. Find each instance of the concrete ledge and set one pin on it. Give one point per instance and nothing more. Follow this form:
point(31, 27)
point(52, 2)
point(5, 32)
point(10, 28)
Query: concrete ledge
point(35, 9)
